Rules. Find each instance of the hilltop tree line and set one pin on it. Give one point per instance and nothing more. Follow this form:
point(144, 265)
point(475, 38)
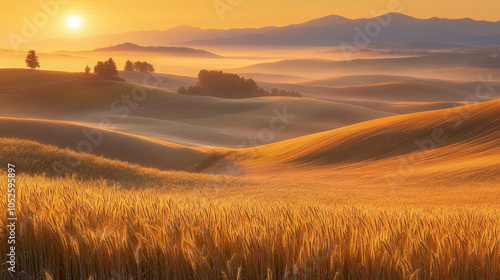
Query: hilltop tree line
point(228, 85)
point(108, 69)
point(210, 83)
point(104, 69)
point(139, 66)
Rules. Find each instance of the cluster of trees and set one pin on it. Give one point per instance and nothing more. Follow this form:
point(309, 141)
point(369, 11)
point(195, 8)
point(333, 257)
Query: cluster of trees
point(227, 85)
point(210, 83)
point(106, 69)
point(284, 92)
point(139, 66)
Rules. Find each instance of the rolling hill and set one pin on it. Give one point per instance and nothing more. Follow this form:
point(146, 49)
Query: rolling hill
point(422, 91)
point(386, 93)
point(357, 80)
point(102, 142)
point(386, 66)
point(168, 116)
point(444, 146)
point(362, 140)
point(449, 146)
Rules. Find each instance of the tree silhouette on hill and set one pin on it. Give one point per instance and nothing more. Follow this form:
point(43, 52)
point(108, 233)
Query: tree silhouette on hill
point(32, 60)
point(129, 66)
point(143, 67)
point(228, 85)
point(87, 70)
point(139, 66)
point(106, 69)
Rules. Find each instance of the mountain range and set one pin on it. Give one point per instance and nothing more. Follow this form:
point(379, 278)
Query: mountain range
point(388, 28)
point(327, 31)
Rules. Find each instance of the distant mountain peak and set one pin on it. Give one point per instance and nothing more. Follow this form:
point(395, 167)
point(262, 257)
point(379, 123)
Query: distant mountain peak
point(327, 20)
point(399, 16)
point(128, 44)
point(186, 28)
point(183, 51)
point(396, 14)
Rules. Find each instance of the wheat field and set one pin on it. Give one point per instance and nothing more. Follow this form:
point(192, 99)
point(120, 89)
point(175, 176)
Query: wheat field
point(92, 230)
point(79, 226)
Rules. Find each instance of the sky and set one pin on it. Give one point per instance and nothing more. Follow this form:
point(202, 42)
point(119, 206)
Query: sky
point(42, 19)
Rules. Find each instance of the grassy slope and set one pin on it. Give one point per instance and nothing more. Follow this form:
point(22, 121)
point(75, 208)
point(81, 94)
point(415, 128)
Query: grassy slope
point(391, 65)
point(386, 93)
point(190, 120)
point(177, 225)
point(392, 91)
point(25, 77)
point(346, 153)
point(32, 158)
point(114, 145)
point(466, 149)
point(110, 144)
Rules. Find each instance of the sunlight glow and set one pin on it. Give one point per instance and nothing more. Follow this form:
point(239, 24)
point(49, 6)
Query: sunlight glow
point(74, 21)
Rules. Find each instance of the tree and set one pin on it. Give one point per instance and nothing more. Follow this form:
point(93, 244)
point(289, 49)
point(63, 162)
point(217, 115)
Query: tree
point(129, 66)
point(194, 90)
point(99, 68)
point(87, 70)
point(143, 67)
point(32, 60)
point(150, 68)
point(106, 69)
point(111, 69)
point(181, 90)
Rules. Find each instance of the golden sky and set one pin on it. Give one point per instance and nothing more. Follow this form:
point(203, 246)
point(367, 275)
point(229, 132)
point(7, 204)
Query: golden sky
point(116, 16)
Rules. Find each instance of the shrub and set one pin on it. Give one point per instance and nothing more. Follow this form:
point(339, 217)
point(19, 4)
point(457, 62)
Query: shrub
point(182, 90)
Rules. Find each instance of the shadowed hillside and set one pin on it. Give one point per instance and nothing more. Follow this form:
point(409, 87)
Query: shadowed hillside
point(402, 65)
point(102, 142)
point(168, 116)
point(446, 145)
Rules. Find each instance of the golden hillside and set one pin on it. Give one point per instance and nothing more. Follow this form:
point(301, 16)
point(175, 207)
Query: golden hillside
point(457, 144)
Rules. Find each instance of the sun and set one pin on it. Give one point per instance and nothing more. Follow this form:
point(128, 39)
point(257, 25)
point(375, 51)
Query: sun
point(74, 21)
